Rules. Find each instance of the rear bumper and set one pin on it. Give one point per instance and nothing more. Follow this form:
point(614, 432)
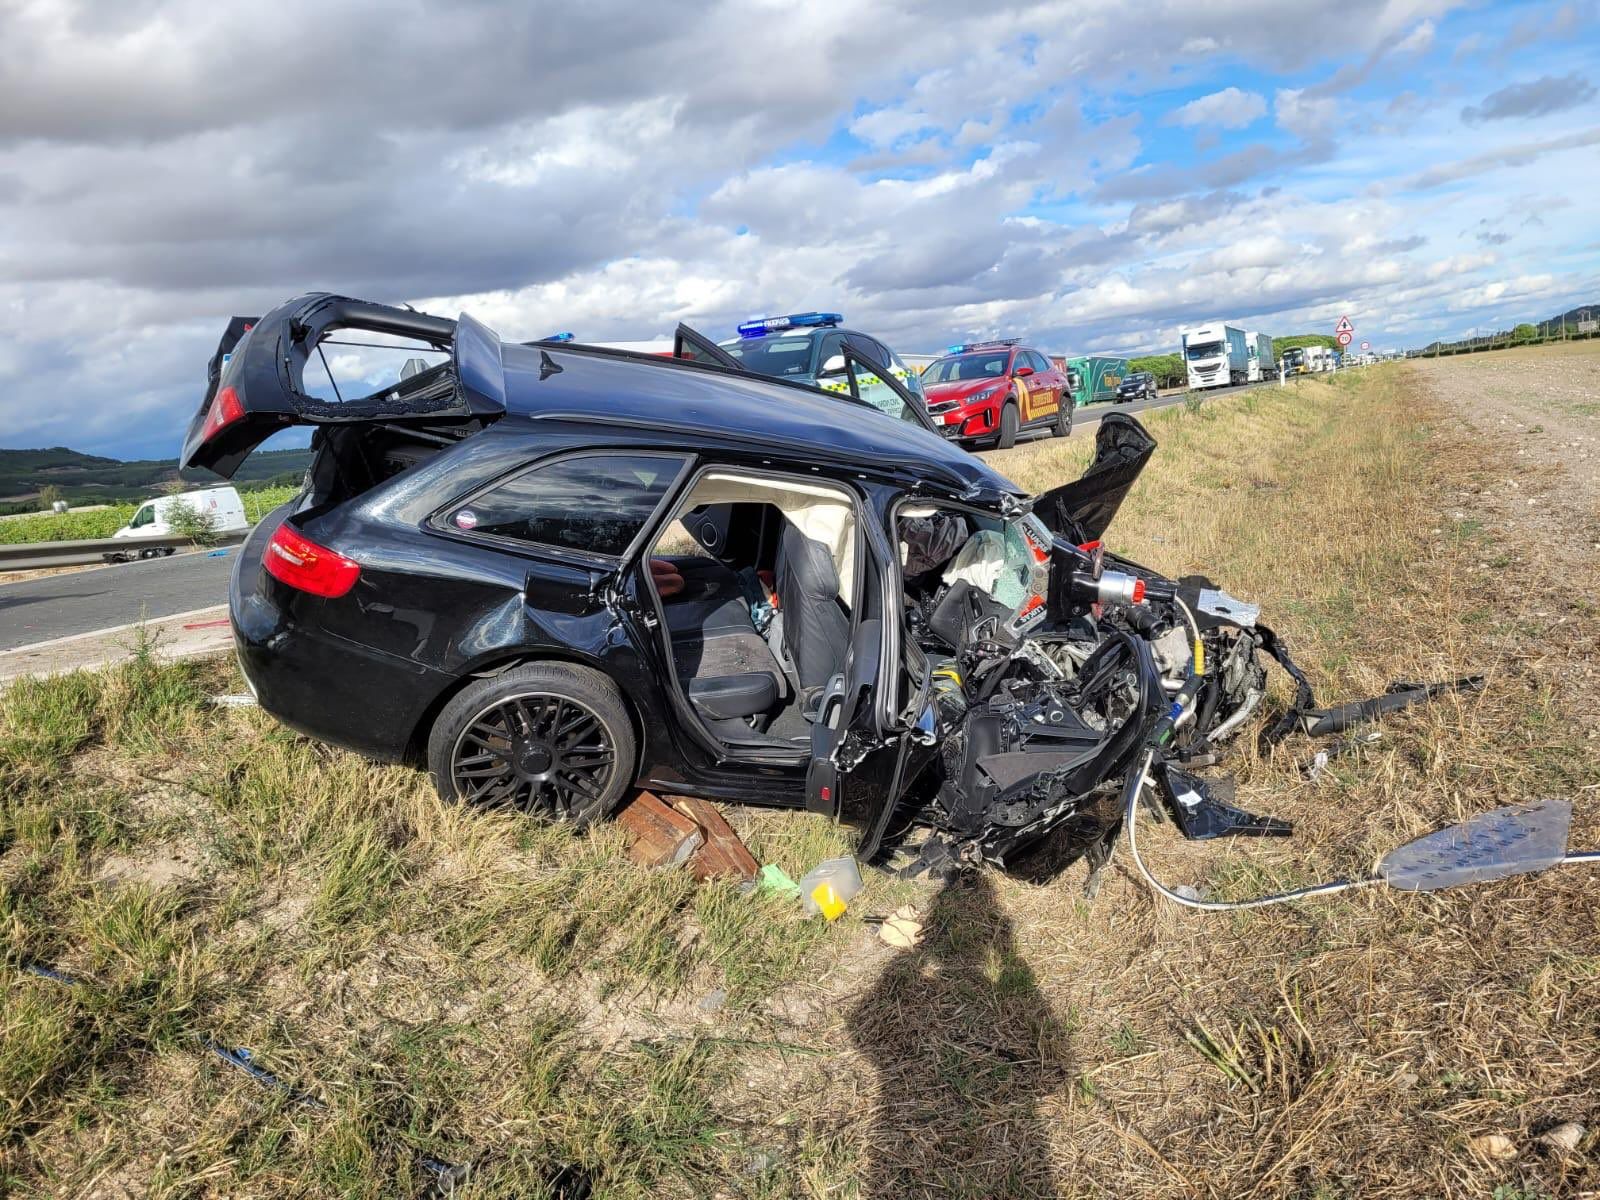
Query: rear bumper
point(324, 686)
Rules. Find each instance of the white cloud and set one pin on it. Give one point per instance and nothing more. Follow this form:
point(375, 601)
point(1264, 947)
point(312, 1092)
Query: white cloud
point(1304, 115)
point(1228, 109)
point(623, 168)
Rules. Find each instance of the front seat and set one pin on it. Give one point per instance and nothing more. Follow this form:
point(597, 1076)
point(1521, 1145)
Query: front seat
point(816, 629)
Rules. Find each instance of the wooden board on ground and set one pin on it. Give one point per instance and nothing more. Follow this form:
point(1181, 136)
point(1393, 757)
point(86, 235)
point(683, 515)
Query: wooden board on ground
point(660, 836)
point(723, 852)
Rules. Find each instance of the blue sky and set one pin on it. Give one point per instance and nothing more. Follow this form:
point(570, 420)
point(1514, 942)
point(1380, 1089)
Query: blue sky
point(1091, 176)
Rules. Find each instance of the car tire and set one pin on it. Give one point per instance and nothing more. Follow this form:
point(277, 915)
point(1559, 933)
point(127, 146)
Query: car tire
point(1063, 422)
point(549, 739)
point(1009, 423)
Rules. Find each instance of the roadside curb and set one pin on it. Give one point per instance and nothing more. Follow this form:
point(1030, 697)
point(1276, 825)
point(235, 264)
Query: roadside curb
point(191, 634)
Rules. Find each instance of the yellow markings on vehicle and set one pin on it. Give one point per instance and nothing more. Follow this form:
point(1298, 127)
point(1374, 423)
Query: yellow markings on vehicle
point(1033, 403)
point(1024, 399)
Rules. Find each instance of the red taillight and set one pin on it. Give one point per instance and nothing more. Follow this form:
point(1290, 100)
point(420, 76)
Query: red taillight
point(295, 559)
point(225, 410)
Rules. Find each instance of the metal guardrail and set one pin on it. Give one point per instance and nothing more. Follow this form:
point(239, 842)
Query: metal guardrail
point(30, 556)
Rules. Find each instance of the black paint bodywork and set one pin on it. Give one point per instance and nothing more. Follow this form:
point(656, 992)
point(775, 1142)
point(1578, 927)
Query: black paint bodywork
point(436, 607)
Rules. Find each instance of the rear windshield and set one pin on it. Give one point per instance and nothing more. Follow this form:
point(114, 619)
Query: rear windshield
point(784, 357)
point(967, 366)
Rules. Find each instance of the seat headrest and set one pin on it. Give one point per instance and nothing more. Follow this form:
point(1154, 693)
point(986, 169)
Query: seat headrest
point(809, 564)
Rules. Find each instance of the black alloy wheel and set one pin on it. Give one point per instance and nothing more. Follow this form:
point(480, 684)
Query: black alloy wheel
point(549, 740)
point(1063, 421)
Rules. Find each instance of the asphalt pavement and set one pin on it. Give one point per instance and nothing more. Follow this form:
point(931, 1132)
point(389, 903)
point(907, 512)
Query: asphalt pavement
point(57, 606)
point(79, 602)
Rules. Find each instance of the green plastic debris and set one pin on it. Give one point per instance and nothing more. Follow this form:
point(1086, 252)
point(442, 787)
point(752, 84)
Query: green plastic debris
point(774, 880)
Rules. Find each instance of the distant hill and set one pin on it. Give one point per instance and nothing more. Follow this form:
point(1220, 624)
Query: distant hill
point(1562, 324)
point(1584, 312)
point(92, 479)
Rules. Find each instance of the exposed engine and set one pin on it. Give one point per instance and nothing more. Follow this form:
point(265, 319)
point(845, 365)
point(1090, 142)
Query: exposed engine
point(1059, 668)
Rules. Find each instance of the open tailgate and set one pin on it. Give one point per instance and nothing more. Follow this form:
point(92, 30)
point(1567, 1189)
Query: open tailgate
point(256, 380)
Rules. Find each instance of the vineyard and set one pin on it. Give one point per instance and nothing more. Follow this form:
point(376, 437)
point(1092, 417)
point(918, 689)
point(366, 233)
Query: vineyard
point(103, 522)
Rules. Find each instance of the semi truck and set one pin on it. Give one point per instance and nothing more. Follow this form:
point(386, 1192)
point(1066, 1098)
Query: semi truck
point(1216, 355)
point(1294, 361)
point(1093, 378)
point(1319, 360)
point(1259, 349)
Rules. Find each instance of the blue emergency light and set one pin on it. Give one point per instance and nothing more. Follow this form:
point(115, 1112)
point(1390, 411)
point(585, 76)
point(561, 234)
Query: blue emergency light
point(761, 326)
point(997, 344)
point(558, 337)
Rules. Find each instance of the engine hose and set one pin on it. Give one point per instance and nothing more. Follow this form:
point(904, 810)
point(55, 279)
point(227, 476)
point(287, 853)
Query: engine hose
point(1304, 698)
point(1130, 804)
point(1198, 654)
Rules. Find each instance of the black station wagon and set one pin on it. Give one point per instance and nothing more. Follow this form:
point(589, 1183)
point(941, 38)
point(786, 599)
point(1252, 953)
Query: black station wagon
point(556, 572)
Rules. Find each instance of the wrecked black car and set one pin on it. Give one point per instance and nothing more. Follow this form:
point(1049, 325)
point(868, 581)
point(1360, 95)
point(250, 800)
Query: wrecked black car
point(556, 572)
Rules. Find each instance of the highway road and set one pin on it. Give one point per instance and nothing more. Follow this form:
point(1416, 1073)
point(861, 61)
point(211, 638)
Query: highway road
point(59, 606)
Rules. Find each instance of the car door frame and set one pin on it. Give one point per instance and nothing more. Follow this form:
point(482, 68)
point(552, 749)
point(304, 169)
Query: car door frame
point(704, 349)
point(866, 748)
point(918, 407)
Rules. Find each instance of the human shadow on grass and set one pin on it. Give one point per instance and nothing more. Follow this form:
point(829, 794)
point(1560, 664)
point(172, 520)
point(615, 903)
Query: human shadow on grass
point(965, 1047)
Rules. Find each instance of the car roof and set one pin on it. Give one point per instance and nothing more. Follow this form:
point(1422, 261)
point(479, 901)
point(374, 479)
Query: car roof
point(989, 350)
point(713, 406)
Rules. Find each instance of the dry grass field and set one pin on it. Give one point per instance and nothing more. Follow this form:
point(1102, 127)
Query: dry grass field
point(436, 986)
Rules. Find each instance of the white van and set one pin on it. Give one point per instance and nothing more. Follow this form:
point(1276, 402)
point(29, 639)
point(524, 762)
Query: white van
point(152, 519)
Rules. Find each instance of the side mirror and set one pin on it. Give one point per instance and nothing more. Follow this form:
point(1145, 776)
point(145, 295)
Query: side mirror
point(1023, 372)
point(834, 366)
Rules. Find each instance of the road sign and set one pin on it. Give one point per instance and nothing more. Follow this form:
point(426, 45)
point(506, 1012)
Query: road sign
point(1366, 345)
point(1344, 326)
point(1344, 339)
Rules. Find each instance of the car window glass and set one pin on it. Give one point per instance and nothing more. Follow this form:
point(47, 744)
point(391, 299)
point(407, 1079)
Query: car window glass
point(596, 503)
point(832, 344)
point(872, 389)
point(1039, 361)
point(781, 356)
point(144, 516)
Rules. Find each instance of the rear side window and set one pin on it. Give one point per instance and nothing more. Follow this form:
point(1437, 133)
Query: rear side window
point(592, 503)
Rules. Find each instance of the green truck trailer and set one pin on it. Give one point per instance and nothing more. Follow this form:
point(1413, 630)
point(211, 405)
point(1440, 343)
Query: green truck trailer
point(1095, 377)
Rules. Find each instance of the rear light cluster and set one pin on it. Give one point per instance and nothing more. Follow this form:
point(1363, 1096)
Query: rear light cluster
point(296, 560)
point(226, 408)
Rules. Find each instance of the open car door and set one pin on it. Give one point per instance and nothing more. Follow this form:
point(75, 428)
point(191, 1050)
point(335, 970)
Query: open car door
point(694, 346)
point(256, 383)
point(873, 383)
point(862, 757)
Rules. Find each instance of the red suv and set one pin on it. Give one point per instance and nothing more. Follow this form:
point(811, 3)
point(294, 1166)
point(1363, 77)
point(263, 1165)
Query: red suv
point(988, 392)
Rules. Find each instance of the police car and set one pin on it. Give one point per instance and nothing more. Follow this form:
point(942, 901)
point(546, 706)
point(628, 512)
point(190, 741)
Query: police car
point(809, 348)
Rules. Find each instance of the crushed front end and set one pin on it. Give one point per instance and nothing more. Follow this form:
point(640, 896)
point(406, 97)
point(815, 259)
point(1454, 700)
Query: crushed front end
point(1055, 665)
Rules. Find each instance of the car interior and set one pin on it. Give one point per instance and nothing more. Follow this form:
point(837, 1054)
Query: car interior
point(758, 581)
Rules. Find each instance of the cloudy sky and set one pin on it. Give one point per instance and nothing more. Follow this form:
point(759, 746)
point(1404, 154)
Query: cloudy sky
point(1091, 175)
